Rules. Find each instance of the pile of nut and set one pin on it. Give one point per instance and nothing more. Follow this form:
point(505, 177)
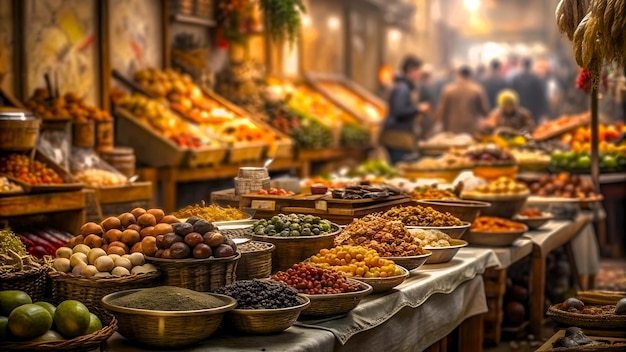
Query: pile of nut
point(388, 238)
point(431, 237)
point(421, 216)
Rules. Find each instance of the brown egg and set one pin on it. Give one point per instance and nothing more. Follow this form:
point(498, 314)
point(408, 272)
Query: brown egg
point(137, 248)
point(157, 213)
point(111, 223)
point(148, 244)
point(162, 229)
point(135, 227)
point(170, 219)
point(130, 237)
point(119, 244)
point(147, 231)
point(116, 250)
point(112, 235)
point(127, 219)
point(146, 220)
point(91, 228)
point(137, 212)
point(93, 241)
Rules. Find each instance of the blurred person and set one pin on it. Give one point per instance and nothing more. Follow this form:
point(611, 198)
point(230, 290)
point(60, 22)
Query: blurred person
point(508, 115)
point(531, 90)
point(444, 78)
point(481, 72)
point(494, 82)
point(463, 105)
point(512, 68)
point(407, 104)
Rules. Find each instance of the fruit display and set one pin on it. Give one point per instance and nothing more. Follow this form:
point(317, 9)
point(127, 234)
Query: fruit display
point(387, 237)
point(167, 298)
point(561, 125)
point(69, 105)
point(28, 322)
point(372, 112)
point(508, 140)
point(195, 238)
point(448, 140)
point(260, 294)
point(563, 185)
point(356, 261)
point(211, 213)
point(314, 280)
point(41, 241)
point(611, 158)
point(274, 192)
point(431, 238)
point(24, 169)
point(421, 216)
point(431, 192)
point(374, 168)
point(365, 191)
point(495, 224)
point(293, 225)
point(501, 186)
point(83, 261)
point(190, 101)
point(98, 177)
point(531, 156)
point(161, 119)
point(307, 131)
point(448, 161)
point(488, 154)
point(7, 186)
point(580, 138)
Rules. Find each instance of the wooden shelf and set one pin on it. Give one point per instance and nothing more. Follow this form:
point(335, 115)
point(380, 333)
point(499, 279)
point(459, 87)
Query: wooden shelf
point(189, 19)
point(35, 204)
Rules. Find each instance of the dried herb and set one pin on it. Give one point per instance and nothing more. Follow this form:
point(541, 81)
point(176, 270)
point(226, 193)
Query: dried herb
point(282, 18)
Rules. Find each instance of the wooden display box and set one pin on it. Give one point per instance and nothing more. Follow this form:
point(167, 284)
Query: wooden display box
point(611, 344)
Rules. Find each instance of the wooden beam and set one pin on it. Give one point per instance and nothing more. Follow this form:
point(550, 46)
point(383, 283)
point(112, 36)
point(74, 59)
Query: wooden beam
point(104, 74)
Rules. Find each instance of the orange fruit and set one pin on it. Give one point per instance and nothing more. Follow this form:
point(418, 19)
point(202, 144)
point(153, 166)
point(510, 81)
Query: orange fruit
point(11, 299)
point(71, 318)
point(29, 321)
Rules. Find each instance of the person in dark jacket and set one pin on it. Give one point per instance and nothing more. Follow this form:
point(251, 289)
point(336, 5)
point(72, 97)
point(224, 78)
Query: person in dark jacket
point(494, 82)
point(531, 91)
point(406, 102)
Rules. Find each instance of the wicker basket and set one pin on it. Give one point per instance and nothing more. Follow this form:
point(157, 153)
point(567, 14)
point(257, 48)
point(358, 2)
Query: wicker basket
point(201, 275)
point(384, 284)
point(411, 262)
point(167, 329)
point(336, 304)
point(291, 250)
point(265, 321)
point(91, 290)
point(32, 281)
point(255, 264)
point(601, 322)
point(83, 343)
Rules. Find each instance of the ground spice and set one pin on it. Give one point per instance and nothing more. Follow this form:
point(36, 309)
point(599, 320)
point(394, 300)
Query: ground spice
point(168, 298)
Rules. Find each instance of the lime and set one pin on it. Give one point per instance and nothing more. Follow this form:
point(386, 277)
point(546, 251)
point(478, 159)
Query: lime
point(48, 306)
point(5, 333)
point(12, 299)
point(94, 324)
point(71, 318)
point(49, 335)
point(29, 321)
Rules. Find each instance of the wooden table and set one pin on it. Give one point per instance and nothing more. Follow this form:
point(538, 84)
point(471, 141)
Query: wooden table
point(556, 234)
point(63, 210)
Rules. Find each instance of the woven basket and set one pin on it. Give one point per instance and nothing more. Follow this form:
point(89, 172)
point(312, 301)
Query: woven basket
point(384, 284)
point(167, 329)
point(336, 304)
point(32, 281)
point(79, 344)
point(265, 321)
point(602, 322)
point(291, 250)
point(201, 275)
point(255, 264)
point(411, 262)
point(91, 290)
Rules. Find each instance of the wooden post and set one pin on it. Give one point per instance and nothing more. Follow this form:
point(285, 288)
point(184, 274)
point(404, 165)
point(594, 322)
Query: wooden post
point(595, 163)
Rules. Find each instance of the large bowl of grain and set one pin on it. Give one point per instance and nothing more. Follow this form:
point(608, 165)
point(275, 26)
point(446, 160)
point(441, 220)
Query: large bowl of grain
point(167, 316)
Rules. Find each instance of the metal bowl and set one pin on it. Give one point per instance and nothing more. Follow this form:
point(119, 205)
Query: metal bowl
point(411, 262)
point(158, 328)
point(465, 210)
point(384, 284)
point(502, 205)
point(534, 223)
point(445, 254)
point(455, 232)
point(494, 239)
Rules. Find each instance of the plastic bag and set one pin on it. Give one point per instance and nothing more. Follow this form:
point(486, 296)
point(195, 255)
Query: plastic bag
point(88, 168)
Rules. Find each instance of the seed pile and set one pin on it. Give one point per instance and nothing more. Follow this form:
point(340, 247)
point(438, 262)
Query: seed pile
point(355, 261)
point(168, 298)
point(257, 294)
point(312, 280)
point(253, 246)
point(421, 216)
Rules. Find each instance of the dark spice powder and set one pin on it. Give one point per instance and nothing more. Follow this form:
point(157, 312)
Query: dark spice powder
point(168, 298)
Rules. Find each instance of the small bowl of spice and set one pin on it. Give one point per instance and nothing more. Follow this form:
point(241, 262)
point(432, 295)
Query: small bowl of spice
point(167, 316)
point(263, 306)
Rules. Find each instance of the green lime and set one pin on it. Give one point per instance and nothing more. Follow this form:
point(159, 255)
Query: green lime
point(583, 162)
point(5, 333)
point(71, 318)
point(49, 335)
point(29, 321)
point(12, 299)
point(94, 324)
point(48, 306)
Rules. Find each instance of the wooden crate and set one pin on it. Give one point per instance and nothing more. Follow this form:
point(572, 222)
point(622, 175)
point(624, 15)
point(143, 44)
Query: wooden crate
point(611, 344)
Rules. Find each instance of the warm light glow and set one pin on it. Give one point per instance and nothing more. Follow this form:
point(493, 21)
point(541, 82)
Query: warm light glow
point(333, 22)
point(394, 35)
point(471, 5)
point(306, 21)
